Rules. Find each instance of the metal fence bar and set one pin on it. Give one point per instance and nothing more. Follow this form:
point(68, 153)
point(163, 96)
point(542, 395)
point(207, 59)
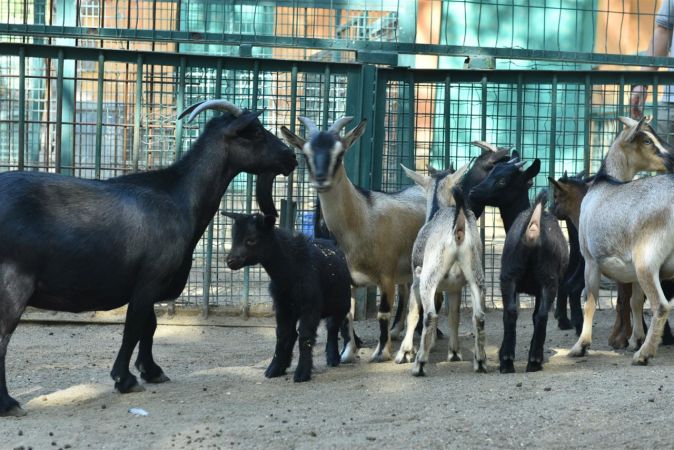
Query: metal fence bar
point(137, 112)
point(59, 113)
point(22, 108)
point(289, 215)
point(99, 116)
point(553, 126)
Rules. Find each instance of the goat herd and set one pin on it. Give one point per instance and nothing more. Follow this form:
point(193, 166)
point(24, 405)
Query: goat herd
point(75, 245)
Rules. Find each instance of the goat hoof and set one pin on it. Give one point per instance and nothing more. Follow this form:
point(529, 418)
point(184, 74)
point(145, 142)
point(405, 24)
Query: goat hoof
point(534, 366)
point(332, 362)
point(274, 370)
point(454, 357)
point(161, 378)
point(618, 342)
point(640, 359)
point(578, 350)
point(480, 366)
point(404, 357)
point(129, 385)
point(439, 335)
point(16, 411)
point(301, 376)
point(418, 370)
point(10, 408)
point(564, 324)
point(380, 357)
point(507, 366)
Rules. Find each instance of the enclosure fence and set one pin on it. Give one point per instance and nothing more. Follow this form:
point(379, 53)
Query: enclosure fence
point(95, 92)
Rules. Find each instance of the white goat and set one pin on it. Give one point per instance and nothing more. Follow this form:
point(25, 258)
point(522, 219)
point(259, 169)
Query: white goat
point(626, 231)
point(376, 230)
point(446, 257)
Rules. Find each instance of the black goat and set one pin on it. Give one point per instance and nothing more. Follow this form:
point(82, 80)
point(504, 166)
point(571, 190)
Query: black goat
point(75, 245)
point(535, 254)
point(309, 281)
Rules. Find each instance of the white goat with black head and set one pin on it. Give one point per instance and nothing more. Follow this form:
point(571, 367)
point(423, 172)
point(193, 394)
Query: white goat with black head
point(626, 231)
point(445, 257)
point(376, 230)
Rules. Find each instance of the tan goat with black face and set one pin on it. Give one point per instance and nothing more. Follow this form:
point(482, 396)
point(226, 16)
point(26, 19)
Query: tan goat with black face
point(626, 231)
point(376, 230)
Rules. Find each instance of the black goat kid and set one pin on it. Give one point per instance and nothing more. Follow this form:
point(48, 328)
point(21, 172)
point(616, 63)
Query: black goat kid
point(75, 245)
point(535, 254)
point(310, 281)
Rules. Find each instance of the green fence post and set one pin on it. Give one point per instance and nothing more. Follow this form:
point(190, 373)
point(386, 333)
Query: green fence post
point(588, 125)
point(288, 213)
point(99, 117)
point(553, 128)
point(22, 107)
point(137, 112)
point(58, 138)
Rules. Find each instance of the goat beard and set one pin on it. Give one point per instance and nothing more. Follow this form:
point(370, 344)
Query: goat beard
point(263, 193)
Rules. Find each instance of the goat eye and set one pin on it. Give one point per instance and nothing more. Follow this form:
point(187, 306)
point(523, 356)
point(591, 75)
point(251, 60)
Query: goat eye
point(648, 142)
point(251, 242)
point(501, 183)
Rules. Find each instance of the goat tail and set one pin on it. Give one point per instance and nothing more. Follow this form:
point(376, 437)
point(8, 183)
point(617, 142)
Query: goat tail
point(533, 231)
point(459, 215)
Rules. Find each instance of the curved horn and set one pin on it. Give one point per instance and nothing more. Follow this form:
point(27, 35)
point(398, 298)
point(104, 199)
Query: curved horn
point(218, 105)
point(485, 146)
point(513, 160)
point(520, 164)
point(309, 124)
point(340, 123)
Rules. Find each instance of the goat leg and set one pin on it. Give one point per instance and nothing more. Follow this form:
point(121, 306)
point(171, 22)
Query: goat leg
point(540, 319)
point(137, 317)
point(406, 351)
point(331, 346)
point(622, 326)
point(307, 339)
point(383, 350)
point(454, 353)
point(506, 354)
point(286, 335)
point(149, 370)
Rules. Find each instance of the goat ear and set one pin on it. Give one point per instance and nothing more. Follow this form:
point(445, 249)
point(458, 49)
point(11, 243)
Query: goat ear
point(533, 169)
point(634, 129)
point(557, 184)
point(241, 123)
point(431, 170)
point(350, 137)
point(422, 180)
point(292, 138)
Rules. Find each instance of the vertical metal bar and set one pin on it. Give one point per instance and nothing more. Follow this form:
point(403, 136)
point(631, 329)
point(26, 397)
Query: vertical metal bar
point(621, 96)
point(22, 106)
point(553, 127)
point(288, 222)
point(483, 136)
point(378, 129)
point(249, 197)
point(136, 121)
point(59, 113)
point(180, 105)
point(326, 97)
point(408, 158)
point(588, 124)
point(99, 117)
point(655, 98)
point(520, 113)
point(447, 122)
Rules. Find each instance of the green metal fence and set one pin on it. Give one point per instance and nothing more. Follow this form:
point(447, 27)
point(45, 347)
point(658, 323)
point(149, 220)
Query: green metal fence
point(116, 113)
point(92, 88)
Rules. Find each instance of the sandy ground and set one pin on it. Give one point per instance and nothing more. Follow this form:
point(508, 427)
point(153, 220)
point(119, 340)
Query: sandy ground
point(218, 396)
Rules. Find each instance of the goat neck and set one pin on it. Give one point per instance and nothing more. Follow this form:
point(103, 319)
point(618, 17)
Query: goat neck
point(275, 260)
point(510, 211)
point(343, 206)
point(202, 176)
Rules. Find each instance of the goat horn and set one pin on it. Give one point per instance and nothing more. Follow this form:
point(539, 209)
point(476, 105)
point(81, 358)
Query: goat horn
point(514, 160)
point(218, 105)
point(309, 124)
point(520, 164)
point(485, 146)
point(340, 123)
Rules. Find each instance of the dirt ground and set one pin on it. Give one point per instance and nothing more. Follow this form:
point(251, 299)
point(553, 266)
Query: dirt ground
point(218, 396)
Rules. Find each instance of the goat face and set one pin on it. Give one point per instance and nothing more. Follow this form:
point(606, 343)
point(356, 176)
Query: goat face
point(490, 156)
point(253, 148)
point(568, 193)
point(642, 147)
point(251, 236)
point(504, 183)
point(324, 151)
